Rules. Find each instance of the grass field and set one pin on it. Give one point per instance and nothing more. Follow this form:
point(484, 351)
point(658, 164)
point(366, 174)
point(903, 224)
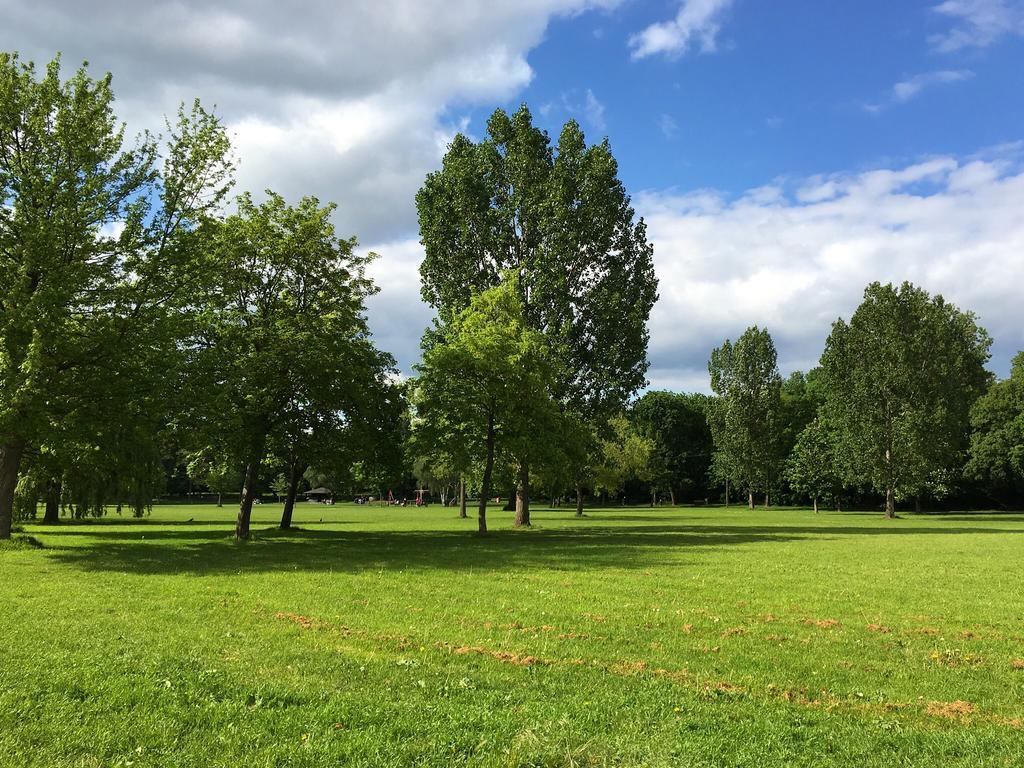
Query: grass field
point(633, 637)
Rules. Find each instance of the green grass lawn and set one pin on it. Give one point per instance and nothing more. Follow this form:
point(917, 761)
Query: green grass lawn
point(633, 637)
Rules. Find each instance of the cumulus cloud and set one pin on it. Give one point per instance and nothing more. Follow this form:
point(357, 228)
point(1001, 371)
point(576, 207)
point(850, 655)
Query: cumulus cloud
point(695, 26)
point(346, 101)
point(978, 23)
point(795, 257)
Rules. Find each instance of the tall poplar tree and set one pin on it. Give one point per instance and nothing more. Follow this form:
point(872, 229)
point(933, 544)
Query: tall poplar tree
point(745, 416)
point(560, 220)
point(899, 381)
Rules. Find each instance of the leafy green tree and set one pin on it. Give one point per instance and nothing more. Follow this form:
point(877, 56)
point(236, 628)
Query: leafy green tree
point(811, 468)
point(483, 391)
point(745, 416)
point(560, 221)
point(677, 425)
point(997, 436)
point(625, 455)
point(95, 249)
point(282, 347)
point(899, 381)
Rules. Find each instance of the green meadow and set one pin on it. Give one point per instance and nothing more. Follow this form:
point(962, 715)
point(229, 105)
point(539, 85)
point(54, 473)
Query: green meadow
point(631, 637)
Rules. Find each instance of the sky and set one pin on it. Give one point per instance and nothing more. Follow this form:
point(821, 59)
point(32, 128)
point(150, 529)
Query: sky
point(784, 154)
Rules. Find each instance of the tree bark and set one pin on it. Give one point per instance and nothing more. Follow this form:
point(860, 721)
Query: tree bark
point(220, 499)
point(523, 496)
point(10, 465)
point(726, 492)
point(462, 497)
point(766, 499)
point(917, 504)
point(485, 482)
point(890, 503)
point(579, 501)
point(289, 500)
point(750, 499)
point(815, 505)
point(252, 471)
point(672, 496)
point(53, 491)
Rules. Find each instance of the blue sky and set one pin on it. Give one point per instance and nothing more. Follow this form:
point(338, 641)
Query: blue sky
point(792, 89)
point(784, 154)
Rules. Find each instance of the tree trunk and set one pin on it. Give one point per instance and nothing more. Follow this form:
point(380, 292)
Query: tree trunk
point(672, 496)
point(917, 504)
point(220, 499)
point(727, 492)
point(766, 499)
point(252, 472)
point(890, 503)
point(53, 492)
point(485, 482)
point(462, 497)
point(523, 496)
point(10, 464)
point(815, 505)
point(289, 500)
point(579, 501)
point(750, 499)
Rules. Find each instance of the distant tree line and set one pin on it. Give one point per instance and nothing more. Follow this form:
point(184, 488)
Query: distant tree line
point(161, 338)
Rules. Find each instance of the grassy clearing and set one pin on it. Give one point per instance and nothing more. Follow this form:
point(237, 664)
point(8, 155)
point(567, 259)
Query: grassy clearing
point(632, 637)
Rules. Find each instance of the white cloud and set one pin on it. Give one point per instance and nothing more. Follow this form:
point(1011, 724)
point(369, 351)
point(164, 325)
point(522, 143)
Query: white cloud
point(796, 257)
point(978, 23)
point(909, 88)
point(669, 127)
point(594, 111)
point(346, 101)
point(696, 25)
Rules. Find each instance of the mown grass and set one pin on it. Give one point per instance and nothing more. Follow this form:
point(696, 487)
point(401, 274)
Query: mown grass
point(379, 637)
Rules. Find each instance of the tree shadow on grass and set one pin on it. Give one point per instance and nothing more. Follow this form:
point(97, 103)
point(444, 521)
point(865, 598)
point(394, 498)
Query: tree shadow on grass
point(207, 552)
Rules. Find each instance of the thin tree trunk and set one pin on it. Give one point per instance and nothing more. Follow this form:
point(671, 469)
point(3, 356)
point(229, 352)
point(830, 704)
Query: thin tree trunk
point(672, 496)
point(917, 504)
point(53, 492)
point(10, 464)
point(815, 505)
point(523, 496)
point(750, 499)
point(726, 492)
point(252, 471)
point(485, 483)
point(890, 503)
point(220, 499)
point(579, 501)
point(766, 499)
point(289, 500)
point(462, 497)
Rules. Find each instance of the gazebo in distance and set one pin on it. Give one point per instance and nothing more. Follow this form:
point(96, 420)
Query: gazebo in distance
point(320, 495)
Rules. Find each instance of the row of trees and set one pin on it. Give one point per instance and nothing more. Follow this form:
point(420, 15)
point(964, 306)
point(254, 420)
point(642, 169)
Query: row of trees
point(139, 320)
point(156, 335)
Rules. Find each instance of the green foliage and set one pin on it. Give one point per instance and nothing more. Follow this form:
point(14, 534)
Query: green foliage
point(899, 381)
point(812, 468)
point(677, 426)
point(483, 392)
point(997, 439)
point(745, 416)
point(282, 353)
point(559, 220)
point(625, 455)
point(95, 256)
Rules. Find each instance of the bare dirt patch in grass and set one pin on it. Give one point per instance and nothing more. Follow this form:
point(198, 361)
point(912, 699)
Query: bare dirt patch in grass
point(950, 710)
